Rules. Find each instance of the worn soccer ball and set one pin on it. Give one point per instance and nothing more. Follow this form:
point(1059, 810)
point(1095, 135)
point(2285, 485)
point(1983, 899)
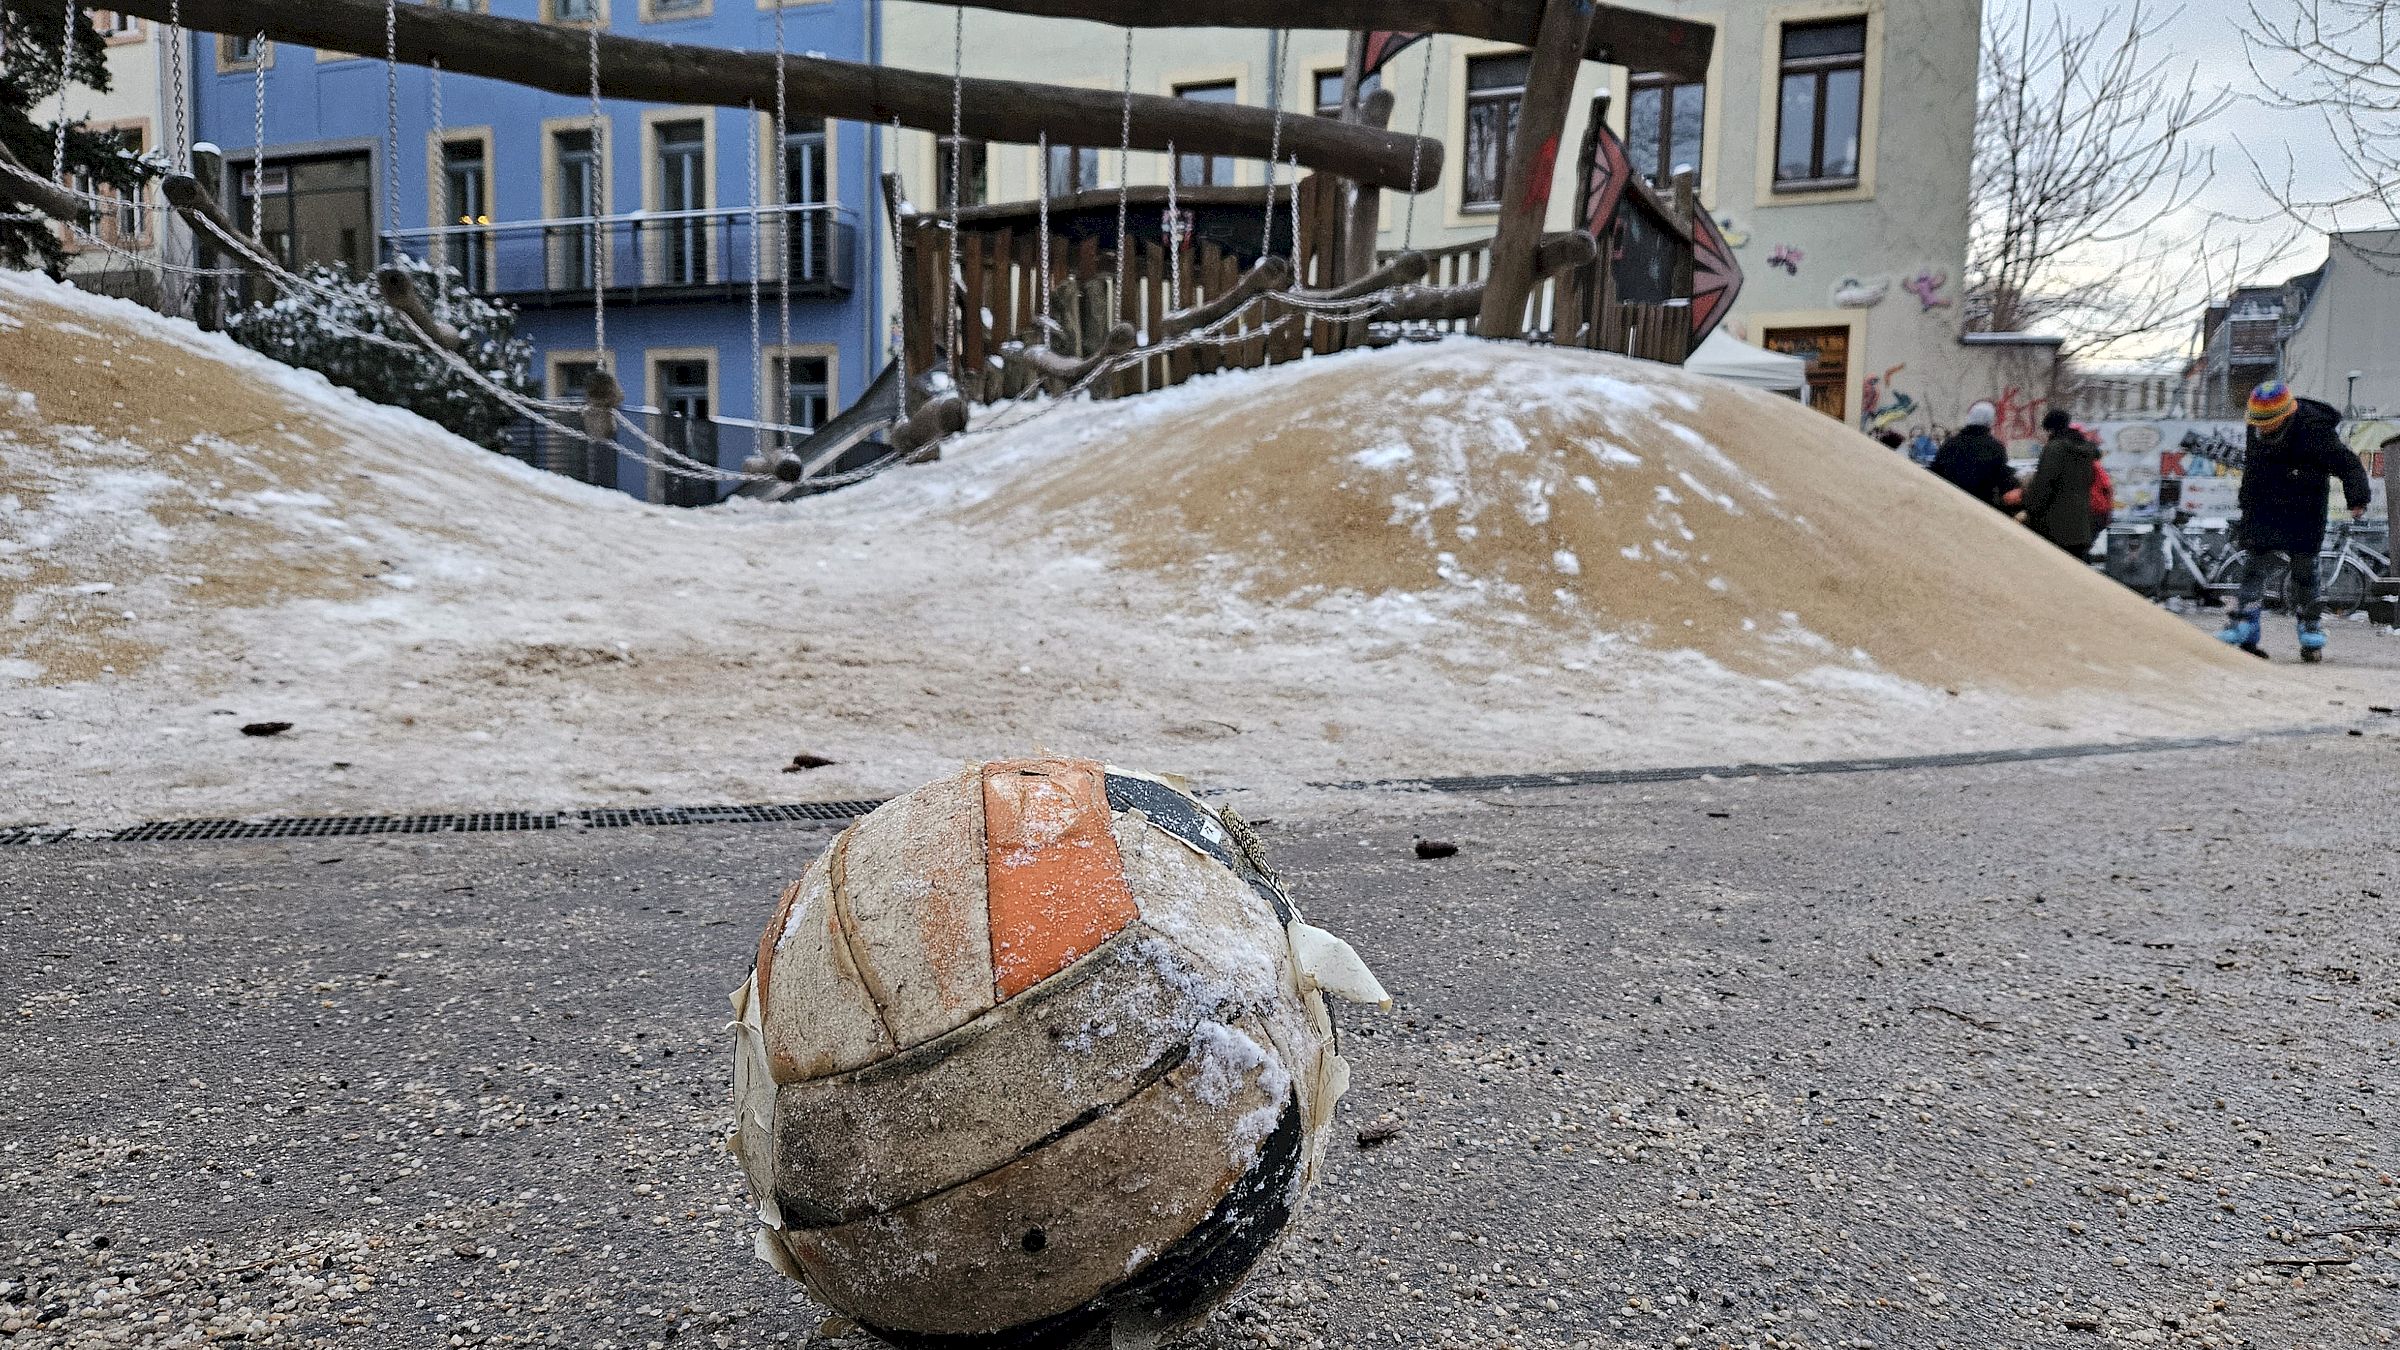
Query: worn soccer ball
point(1034, 1054)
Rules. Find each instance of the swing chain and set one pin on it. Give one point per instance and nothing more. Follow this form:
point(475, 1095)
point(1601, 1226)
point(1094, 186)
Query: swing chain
point(66, 56)
point(1124, 176)
point(1416, 149)
point(258, 132)
point(596, 194)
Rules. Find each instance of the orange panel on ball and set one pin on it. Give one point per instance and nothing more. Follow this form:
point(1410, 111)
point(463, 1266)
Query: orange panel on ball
point(1055, 881)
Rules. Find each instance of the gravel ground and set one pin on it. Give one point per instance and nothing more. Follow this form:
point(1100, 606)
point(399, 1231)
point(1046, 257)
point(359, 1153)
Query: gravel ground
point(2055, 1054)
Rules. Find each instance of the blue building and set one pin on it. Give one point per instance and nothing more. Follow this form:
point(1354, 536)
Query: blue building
point(499, 180)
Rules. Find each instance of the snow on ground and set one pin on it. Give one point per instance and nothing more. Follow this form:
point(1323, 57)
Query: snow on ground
point(1459, 557)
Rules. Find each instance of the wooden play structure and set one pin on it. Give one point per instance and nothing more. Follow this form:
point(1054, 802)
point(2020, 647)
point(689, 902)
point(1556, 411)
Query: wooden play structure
point(1110, 292)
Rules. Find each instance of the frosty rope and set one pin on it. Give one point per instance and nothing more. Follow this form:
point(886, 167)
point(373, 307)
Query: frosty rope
point(899, 278)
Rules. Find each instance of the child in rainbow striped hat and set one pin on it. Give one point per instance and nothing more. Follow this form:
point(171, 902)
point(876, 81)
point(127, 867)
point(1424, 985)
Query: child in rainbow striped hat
point(2294, 452)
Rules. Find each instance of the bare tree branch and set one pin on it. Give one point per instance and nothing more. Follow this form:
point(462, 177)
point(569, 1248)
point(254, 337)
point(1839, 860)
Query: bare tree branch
point(2085, 167)
point(2341, 60)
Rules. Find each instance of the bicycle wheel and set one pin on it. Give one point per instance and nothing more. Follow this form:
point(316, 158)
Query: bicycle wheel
point(2345, 588)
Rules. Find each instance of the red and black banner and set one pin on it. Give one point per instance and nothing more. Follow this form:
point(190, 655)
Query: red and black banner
point(1382, 47)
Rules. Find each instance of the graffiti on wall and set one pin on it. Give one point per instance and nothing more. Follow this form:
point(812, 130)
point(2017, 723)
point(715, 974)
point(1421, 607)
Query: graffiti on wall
point(1927, 287)
point(1886, 406)
point(2019, 415)
point(1786, 257)
point(1856, 293)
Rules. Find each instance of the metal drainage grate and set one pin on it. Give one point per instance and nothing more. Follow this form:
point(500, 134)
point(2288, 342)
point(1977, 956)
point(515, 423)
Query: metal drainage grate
point(471, 822)
point(1965, 759)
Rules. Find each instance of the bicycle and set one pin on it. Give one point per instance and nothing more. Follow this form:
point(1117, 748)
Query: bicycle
point(2347, 570)
point(2168, 560)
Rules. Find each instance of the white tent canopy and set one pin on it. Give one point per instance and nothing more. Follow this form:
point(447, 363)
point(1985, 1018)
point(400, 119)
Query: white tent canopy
point(1736, 361)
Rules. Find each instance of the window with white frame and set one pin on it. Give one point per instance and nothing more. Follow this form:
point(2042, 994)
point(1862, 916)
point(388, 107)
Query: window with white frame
point(1329, 91)
point(806, 393)
point(1664, 122)
point(1821, 104)
point(1205, 170)
point(1495, 99)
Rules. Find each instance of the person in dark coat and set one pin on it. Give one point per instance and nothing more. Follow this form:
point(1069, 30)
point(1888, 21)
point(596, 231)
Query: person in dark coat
point(2058, 502)
point(1975, 462)
point(2295, 451)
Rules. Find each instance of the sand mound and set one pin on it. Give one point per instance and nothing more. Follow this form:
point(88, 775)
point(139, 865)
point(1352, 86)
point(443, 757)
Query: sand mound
point(1446, 559)
point(1558, 501)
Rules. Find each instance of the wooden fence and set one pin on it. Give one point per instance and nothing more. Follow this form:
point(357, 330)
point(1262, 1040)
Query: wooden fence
point(1004, 297)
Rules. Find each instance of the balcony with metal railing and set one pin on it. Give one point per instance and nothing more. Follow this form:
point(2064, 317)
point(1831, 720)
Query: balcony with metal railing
point(647, 255)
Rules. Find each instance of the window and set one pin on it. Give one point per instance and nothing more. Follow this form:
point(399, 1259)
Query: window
point(575, 11)
point(1329, 91)
point(1495, 96)
point(683, 187)
point(116, 24)
point(807, 399)
point(465, 190)
point(1073, 169)
point(1821, 105)
point(575, 177)
point(973, 172)
point(805, 183)
point(462, 6)
point(1205, 170)
point(311, 211)
point(1663, 122)
point(240, 51)
point(656, 10)
point(571, 377)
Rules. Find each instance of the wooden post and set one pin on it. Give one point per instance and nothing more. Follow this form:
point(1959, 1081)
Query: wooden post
point(554, 57)
point(1525, 191)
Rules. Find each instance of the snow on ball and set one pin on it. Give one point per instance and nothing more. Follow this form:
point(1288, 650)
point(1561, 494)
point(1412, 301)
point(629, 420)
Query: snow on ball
point(1034, 1053)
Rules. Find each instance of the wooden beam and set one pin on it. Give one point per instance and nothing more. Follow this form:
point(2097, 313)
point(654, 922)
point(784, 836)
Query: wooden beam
point(553, 57)
point(1632, 38)
point(1525, 188)
point(20, 184)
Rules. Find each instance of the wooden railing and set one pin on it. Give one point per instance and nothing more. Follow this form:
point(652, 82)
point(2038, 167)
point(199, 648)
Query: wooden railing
point(1005, 302)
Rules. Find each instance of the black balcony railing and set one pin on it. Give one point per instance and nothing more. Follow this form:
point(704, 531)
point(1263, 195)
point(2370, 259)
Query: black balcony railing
point(663, 255)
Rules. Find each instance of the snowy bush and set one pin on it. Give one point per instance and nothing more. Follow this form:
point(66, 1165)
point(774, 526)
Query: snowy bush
point(315, 332)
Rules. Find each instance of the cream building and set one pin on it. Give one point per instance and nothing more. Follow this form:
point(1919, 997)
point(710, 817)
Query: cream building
point(134, 102)
point(2348, 325)
point(1833, 141)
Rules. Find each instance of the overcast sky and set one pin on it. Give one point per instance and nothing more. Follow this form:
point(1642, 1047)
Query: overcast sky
point(2206, 35)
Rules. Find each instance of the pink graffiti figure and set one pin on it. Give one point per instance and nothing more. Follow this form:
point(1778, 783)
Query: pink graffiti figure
point(1787, 258)
point(1927, 287)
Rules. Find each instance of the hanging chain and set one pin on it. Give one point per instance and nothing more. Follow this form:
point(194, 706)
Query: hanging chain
point(597, 193)
point(66, 56)
point(758, 350)
point(958, 104)
point(181, 155)
point(899, 273)
point(258, 133)
point(1043, 228)
point(1173, 233)
point(1282, 49)
point(391, 122)
point(441, 198)
point(783, 194)
point(1416, 149)
point(1301, 277)
point(1124, 177)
